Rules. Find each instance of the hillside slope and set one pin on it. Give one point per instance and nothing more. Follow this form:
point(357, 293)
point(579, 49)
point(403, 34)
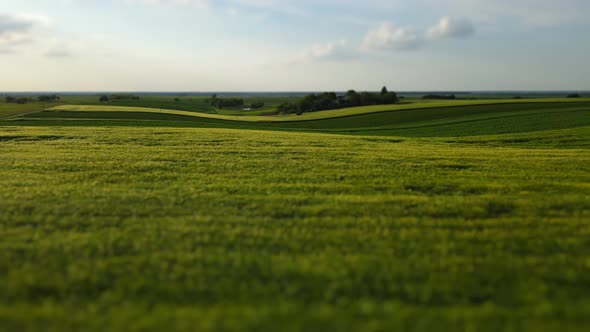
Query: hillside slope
point(197, 229)
point(450, 120)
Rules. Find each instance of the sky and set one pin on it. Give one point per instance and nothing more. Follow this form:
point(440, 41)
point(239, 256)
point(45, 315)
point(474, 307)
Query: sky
point(294, 45)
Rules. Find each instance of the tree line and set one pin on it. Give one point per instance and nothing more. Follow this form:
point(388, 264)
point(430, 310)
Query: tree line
point(115, 97)
point(221, 103)
point(330, 101)
point(440, 97)
point(24, 100)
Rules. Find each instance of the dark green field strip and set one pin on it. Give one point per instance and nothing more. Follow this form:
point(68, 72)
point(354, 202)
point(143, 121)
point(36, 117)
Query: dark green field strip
point(474, 118)
point(491, 126)
point(400, 117)
point(571, 138)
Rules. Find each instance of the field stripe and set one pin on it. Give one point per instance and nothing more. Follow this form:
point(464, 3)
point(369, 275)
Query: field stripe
point(341, 113)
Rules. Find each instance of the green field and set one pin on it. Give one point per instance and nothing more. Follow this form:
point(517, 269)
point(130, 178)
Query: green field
point(345, 112)
point(426, 216)
point(458, 118)
point(192, 104)
point(7, 110)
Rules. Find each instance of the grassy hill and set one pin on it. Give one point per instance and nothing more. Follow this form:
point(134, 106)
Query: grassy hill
point(190, 104)
point(458, 118)
point(212, 229)
point(438, 217)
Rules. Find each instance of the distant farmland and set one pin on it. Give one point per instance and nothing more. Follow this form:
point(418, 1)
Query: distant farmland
point(439, 118)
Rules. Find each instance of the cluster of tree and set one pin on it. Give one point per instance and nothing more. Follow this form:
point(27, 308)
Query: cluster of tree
point(24, 100)
point(330, 100)
point(106, 98)
point(20, 100)
point(442, 97)
point(289, 108)
point(257, 104)
point(49, 98)
point(121, 96)
point(225, 102)
point(574, 95)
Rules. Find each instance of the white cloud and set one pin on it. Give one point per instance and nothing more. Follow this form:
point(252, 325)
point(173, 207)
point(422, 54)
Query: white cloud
point(327, 51)
point(390, 37)
point(32, 34)
point(530, 12)
point(282, 6)
point(16, 30)
point(11, 24)
point(451, 28)
point(196, 3)
point(60, 51)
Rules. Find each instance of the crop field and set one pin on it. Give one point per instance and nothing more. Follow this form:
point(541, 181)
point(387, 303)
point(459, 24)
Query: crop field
point(345, 112)
point(189, 104)
point(183, 103)
point(426, 216)
point(15, 109)
point(459, 118)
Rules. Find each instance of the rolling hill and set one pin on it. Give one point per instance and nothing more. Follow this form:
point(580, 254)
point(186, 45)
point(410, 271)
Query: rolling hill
point(447, 118)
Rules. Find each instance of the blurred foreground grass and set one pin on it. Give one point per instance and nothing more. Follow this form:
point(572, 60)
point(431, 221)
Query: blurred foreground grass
point(148, 229)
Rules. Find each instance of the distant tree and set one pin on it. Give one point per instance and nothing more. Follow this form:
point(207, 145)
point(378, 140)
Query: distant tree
point(353, 98)
point(177, 99)
point(384, 90)
point(330, 100)
point(368, 98)
point(10, 99)
point(212, 100)
point(225, 102)
point(307, 103)
point(573, 95)
point(257, 104)
point(287, 108)
point(326, 101)
point(122, 96)
point(48, 98)
point(446, 97)
point(103, 99)
point(389, 98)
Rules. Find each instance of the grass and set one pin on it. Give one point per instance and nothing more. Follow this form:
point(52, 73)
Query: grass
point(459, 218)
point(141, 229)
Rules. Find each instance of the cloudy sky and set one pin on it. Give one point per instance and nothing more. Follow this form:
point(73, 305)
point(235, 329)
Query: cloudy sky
point(287, 45)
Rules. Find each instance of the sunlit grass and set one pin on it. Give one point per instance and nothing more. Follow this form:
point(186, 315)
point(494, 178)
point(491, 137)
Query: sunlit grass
point(195, 229)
